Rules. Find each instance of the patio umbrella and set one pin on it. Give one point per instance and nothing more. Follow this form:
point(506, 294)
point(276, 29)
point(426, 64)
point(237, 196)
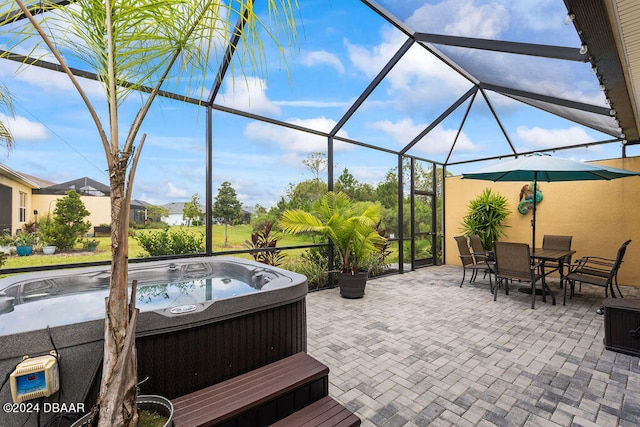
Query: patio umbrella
point(543, 167)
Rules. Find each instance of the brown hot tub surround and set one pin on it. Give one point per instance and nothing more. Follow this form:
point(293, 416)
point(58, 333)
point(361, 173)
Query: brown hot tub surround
point(188, 337)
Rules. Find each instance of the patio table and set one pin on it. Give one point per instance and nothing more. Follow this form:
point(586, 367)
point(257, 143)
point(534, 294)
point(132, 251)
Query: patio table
point(556, 255)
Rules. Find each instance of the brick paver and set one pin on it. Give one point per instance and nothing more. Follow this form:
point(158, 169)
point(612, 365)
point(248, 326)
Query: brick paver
point(418, 350)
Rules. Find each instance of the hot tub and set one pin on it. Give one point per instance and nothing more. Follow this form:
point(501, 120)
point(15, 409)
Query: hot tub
point(202, 320)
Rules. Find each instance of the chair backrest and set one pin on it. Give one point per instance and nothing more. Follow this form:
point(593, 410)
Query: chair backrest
point(556, 242)
point(512, 258)
point(619, 256)
point(463, 248)
point(476, 243)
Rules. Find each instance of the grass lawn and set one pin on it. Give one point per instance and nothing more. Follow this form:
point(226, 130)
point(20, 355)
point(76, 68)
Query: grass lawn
point(237, 235)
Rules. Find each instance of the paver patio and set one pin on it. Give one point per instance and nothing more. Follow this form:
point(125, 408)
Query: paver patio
point(419, 350)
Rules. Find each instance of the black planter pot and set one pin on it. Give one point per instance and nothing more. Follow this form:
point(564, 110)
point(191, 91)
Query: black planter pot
point(352, 285)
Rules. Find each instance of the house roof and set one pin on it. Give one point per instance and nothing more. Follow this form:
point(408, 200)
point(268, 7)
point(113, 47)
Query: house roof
point(178, 207)
point(23, 178)
point(84, 186)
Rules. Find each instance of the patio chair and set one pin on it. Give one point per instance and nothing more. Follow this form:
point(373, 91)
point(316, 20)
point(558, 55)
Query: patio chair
point(596, 271)
point(513, 262)
point(480, 254)
point(469, 261)
point(478, 249)
point(555, 242)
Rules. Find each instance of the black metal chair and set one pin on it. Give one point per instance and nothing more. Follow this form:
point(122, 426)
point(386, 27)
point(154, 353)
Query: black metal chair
point(513, 262)
point(480, 254)
point(469, 261)
point(555, 242)
point(597, 271)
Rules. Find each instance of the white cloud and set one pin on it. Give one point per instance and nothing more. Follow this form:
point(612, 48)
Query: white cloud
point(175, 191)
point(370, 62)
point(319, 57)
point(49, 80)
point(537, 137)
point(437, 141)
point(461, 18)
point(418, 81)
point(22, 128)
point(541, 15)
point(293, 140)
point(249, 94)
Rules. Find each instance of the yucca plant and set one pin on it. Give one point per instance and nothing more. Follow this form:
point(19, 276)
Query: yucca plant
point(351, 229)
point(485, 217)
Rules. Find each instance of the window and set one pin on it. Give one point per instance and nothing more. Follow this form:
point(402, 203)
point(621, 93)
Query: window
point(22, 210)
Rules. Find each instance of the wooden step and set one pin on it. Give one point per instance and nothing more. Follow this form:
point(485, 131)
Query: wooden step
point(325, 412)
point(258, 397)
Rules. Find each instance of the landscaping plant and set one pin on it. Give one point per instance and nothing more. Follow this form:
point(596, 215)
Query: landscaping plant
point(265, 239)
point(167, 242)
point(68, 225)
point(133, 45)
point(350, 227)
point(485, 217)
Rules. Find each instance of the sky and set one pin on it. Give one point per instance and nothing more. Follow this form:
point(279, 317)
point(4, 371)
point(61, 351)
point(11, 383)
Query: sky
point(341, 46)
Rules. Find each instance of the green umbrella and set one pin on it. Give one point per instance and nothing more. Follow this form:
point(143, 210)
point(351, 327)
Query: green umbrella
point(543, 167)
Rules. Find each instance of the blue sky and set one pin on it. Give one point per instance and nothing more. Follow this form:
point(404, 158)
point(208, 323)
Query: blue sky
point(341, 46)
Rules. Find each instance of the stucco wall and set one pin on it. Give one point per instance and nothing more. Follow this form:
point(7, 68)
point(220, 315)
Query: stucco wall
point(600, 215)
point(15, 202)
point(99, 207)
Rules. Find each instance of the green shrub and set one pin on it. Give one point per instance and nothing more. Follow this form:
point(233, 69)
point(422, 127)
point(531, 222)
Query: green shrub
point(68, 225)
point(485, 217)
point(168, 242)
point(313, 266)
point(158, 225)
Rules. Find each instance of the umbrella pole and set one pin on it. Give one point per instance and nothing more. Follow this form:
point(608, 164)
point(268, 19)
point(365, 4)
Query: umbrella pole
point(533, 221)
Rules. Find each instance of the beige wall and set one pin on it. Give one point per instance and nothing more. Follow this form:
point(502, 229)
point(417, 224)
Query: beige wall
point(99, 207)
point(15, 202)
point(600, 215)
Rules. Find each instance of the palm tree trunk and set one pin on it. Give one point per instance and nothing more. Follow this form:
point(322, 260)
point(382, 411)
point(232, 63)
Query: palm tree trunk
point(117, 399)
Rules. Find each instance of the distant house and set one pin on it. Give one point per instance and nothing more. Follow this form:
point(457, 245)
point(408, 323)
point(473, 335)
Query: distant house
point(16, 204)
point(176, 210)
point(246, 214)
point(25, 198)
point(138, 211)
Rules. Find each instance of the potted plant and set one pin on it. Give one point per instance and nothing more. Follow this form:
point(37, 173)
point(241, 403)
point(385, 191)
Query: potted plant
point(485, 217)
point(48, 249)
point(352, 230)
point(46, 231)
point(24, 243)
point(90, 244)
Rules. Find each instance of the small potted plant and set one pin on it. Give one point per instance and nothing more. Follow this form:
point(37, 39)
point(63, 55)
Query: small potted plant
point(90, 244)
point(24, 243)
point(48, 249)
point(46, 232)
point(351, 227)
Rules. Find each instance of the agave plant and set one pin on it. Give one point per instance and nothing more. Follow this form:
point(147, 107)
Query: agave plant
point(351, 228)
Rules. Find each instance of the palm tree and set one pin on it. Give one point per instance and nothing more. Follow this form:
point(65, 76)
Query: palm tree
point(6, 104)
point(350, 227)
point(132, 45)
